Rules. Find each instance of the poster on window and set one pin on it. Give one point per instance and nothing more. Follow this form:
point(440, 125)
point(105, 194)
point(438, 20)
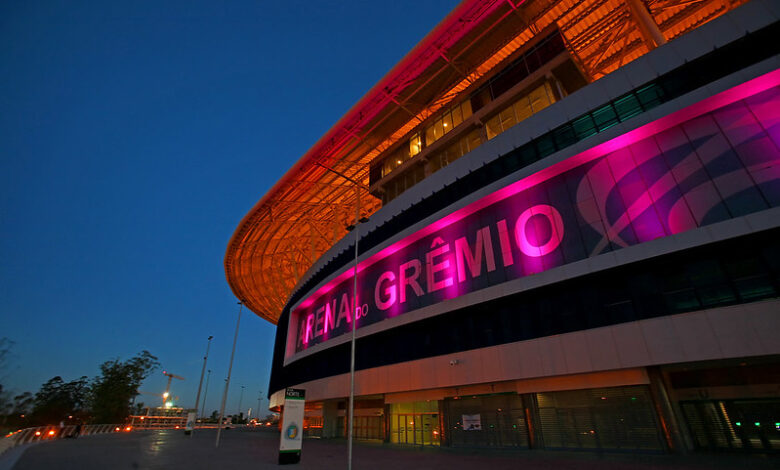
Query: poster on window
point(472, 422)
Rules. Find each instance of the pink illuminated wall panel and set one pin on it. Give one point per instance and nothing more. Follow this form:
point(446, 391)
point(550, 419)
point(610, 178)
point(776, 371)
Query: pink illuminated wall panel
point(710, 162)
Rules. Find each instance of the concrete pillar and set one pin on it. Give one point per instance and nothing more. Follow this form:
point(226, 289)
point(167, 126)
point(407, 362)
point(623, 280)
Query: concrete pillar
point(675, 435)
point(650, 32)
point(533, 421)
point(330, 419)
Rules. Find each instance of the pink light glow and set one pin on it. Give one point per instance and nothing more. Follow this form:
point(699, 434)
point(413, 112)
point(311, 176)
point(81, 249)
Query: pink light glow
point(556, 235)
point(707, 105)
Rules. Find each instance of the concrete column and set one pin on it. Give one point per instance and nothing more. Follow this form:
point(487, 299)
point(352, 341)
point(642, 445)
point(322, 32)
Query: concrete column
point(674, 433)
point(330, 419)
point(652, 35)
point(533, 421)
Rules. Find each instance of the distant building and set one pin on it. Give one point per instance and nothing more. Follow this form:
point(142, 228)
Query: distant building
point(573, 237)
point(160, 418)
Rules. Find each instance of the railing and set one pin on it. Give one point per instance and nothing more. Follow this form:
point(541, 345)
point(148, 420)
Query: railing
point(50, 433)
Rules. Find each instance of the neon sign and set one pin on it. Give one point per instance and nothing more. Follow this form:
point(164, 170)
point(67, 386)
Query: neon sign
point(712, 161)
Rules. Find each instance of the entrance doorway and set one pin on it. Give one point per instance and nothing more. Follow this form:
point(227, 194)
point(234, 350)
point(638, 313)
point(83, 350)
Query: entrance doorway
point(737, 425)
point(415, 423)
point(416, 429)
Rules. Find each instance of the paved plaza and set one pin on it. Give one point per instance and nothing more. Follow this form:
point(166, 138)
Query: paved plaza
point(258, 450)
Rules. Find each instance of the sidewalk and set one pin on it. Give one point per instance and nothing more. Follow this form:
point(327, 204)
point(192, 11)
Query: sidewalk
point(258, 450)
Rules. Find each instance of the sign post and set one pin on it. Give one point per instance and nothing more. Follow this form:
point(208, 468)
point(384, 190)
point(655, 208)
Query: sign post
point(292, 426)
point(190, 423)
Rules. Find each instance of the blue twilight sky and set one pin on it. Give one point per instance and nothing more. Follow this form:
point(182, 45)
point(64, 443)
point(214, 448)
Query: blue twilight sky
point(134, 136)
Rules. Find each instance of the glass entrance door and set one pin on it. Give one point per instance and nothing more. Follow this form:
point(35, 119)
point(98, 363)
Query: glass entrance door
point(414, 423)
point(415, 429)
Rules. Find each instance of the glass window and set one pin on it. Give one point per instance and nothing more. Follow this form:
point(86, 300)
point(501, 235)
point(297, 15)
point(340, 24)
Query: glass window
point(473, 140)
point(447, 122)
point(465, 108)
point(523, 109)
point(457, 115)
point(539, 98)
point(507, 118)
point(584, 126)
point(627, 106)
point(493, 127)
point(438, 129)
point(451, 119)
point(605, 117)
point(430, 137)
point(415, 145)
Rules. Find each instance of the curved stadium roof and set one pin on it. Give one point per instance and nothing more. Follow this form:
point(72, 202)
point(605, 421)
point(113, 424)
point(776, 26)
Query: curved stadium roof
point(308, 209)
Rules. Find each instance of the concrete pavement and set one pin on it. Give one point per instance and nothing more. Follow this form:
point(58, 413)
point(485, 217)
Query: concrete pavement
point(258, 450)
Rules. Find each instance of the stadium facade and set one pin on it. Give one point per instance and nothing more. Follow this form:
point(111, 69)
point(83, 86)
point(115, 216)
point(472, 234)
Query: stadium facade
point(572, 236)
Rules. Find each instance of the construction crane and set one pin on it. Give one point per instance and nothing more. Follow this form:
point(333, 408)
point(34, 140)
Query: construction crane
point(168, 387)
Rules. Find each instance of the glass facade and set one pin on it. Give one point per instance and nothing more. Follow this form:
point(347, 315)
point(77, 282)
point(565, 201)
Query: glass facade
point(529, 103)
point(454, 151)
point(448, 121)
point(415, 423)
point(616, 418)
point(486, 421)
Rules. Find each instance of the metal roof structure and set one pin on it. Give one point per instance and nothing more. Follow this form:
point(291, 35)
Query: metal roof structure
point(308, 210)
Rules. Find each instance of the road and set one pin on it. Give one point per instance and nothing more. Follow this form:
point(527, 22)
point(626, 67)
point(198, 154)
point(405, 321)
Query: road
point(258, 450)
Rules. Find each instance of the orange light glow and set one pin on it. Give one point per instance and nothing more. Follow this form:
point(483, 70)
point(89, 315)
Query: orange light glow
point(37, 433)
point(51, 433)
point(117, 429)
point(128, 428)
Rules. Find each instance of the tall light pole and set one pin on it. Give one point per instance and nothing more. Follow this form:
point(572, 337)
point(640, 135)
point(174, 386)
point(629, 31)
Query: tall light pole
point(227, 381)
point(205, 392)
point(202, 372)
point(259, 399)
point(358, 220)
point(240, 399)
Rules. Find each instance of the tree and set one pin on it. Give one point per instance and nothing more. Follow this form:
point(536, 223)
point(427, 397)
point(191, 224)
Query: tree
point(5, 359)
point(22, 403)
point(117, 385)
point(57, 399)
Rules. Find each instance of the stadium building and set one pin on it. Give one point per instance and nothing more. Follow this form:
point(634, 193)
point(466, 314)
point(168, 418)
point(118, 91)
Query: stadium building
point(568, 235)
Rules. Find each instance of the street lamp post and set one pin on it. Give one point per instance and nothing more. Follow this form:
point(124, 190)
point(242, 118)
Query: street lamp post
point(202, 372)
point(358, 220)
point(240, 399)
point(205, 392)
point(227, 381)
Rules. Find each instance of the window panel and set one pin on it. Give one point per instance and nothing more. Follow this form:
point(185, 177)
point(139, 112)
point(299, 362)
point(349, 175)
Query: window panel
point(438, 129)
point(465, 109)
point(605, 117)
point(493, 127)
point(430, 137)
point(473, 139)
point(447, 122)
point(415, 145)
point(627, 107)
point(523, 109)
point(457, 116)
point(507, 118)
